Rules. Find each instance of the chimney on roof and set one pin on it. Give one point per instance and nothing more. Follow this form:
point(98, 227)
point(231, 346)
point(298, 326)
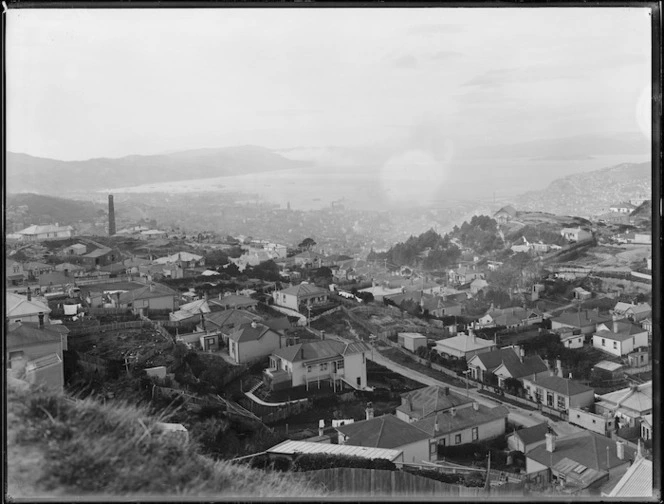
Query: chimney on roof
point(620, 450)
point(369, 411)
point(29, 294)
point(322, 335)
point(321, 427)
point(615, 327)
point(302, 353)
point(446, 391)
point(559, 367)
point(453, 411)
point(41, 320)
point(550, 442)
point(253, 324)
point(436, 427)
point(476, 405)
point(410, 403)
point(522, 354)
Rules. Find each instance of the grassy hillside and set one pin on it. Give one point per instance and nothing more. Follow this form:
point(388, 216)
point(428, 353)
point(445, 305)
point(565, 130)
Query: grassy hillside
point(61, 448)
point(49, 209)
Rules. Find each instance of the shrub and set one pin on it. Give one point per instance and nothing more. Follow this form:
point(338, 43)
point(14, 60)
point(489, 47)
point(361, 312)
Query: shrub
point(315, 461)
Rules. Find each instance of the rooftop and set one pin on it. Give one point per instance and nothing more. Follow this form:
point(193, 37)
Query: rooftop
point(250, 331)
point(461, 419)
point(290, 447)
point(582, 318)
point(304, 289)
point(319, 350)
point(154, 290)
point(637, 398)
point(18, 305)
point(233, 300)
point(428, 400)
point(533, 434)
point(636, 482)
point(385, 431)
point(465, 343)
point(563, 386)
point(20, 334)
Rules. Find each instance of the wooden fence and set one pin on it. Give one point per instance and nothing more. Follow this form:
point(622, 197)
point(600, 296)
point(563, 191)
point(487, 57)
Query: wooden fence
point(116, 326)
point(325, 313)
point(94, 364)
point(343, 481)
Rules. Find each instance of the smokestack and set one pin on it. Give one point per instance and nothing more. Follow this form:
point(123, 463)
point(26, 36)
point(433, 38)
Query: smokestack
point(111, 216)
point(369, 411)
point(550, 442)
point(41, 320)
point(620, 450)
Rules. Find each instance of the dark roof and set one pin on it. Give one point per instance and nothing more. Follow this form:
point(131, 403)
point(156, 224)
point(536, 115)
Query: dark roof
point(583, 318)
point(532, 364)
point(429, 400)
point(318, 350)
point(533, 434)
point(462, 418)
point(385, 431)
point(495, 358)
point(55, 278)
point(230, 318)
point(22, 334)
point(250, 332)
point(157, 291)
point(98, 252)
point(233, 300)
point(304, 290)
point(626, 330)
point(509, 209)
point(585, 448)
point(563, 386)
point(278, 324)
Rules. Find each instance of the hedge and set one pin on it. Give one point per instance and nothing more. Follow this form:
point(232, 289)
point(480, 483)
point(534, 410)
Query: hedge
point(316, 461)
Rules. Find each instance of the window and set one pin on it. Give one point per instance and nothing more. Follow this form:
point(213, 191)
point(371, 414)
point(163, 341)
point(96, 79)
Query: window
point(457, 439)
point(594, 421)
point(615, 345)
point(308, 369)
point(578, 416)
point(442, 442)
point(433, 449)
point(340, 364)
point(549, 399)
point(323, 366)
point(475, 433)
point(603, 342)
point(561, 402)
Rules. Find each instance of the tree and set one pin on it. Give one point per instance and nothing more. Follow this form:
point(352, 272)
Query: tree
point(307, 243)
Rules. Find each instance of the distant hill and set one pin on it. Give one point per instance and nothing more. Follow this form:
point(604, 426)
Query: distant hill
point(590, 193)
point(50, 176)
point(48, 209)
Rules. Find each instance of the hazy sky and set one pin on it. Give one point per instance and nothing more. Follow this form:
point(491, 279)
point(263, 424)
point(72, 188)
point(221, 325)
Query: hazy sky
point(108, 83)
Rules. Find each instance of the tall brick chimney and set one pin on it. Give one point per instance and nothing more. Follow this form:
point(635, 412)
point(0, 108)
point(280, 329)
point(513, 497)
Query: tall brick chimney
point(111, 216)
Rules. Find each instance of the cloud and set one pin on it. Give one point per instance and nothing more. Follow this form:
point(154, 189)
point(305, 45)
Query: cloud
point(407, 61)
point(441, 55)
point(428, 29)
point(289, 112)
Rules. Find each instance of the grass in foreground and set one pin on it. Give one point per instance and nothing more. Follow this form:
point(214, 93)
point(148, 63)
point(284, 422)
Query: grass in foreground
point(60, 447)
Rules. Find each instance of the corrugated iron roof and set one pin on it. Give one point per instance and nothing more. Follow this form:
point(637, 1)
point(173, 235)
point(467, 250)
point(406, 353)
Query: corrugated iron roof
point(290, 447)
point(636, 482)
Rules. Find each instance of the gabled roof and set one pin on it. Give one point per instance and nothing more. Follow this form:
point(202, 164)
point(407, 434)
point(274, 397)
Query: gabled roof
point(21, 334)
point(315, 350)
point(385, 431)
point(626, 329)
point(428, 400)
point(509, 209)
point(636, 482)
point(178, 256)
point(155, 290)
point(563, 386)
point(98, 252)
point(18, 306)
point(290, 447)
point(230, 318)
point(250, 331)
point(491, 360)
point(465, 343)
point(585, 448)
point(278, 323)
point(49, 228)
point(233, 300)
point(533, 434)
point(638, 398)
point(583, 318)
point(304, 290)
point(461, 419)
point(532, 364)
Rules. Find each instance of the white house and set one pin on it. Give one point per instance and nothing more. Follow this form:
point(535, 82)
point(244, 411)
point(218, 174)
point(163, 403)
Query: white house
point(252, 341)
point(620, 337)
point(570, 338)
point(309, 364)
point(526, 439)
point(302, 294)
point(575, 234)
point(464, 346)
point(412, 341)
point(47, 232)
point(557, 392)
point(26, 308)
point(424, 402)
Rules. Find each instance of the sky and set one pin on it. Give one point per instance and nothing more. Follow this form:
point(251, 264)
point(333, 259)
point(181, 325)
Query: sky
point(86, 83)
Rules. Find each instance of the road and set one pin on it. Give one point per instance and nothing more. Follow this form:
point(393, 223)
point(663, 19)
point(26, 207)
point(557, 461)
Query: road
point(517, 415)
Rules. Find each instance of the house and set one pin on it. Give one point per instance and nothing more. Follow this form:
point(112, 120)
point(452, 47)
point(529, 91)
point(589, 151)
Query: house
point(585, 321)
point(183, 259)
point(458, 426)
point(628, 405)
point(620, 337)
point(509, 362)
point(464, 274)
point(437, 306)
point(226, 321)
point(26, 308)
point(637, 482)
point(14, 273)
point(646, 324)
point(581, 460)
point(541, 248)
point(421, 403)
point(570, 338)
point(232, 301)
point(411, 341)
point(589, 419)
point(54, 281)
point(477, 285)
point(69, 268)
point(575, 234)
point(46, 232)
point(521, 245)
point(623, 207)
point(34, 350)
point(494, 265)
point(309, 259)
point(190, 310)
point(464, 346)
point(388, 432)
point(607, 371)
point(292, 449)
point(581, 294)
point(35, 268)
point(252, 341)
point(646, 427)
point(505, 214)
point(303, 294)
point(526, 439)
point(557, 392)
point(310, 363)
point(75, 249)
point(152, 297)
point(634, 312)
point(510, 317)
point(153, 234)
point(102, 256)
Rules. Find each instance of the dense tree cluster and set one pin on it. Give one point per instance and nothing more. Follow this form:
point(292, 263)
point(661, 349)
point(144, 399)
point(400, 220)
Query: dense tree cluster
point(430, 250)
point(480, 234)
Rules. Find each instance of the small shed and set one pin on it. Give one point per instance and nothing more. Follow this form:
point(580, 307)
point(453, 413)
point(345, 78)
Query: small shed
point(412, 341)
point(581, 294)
